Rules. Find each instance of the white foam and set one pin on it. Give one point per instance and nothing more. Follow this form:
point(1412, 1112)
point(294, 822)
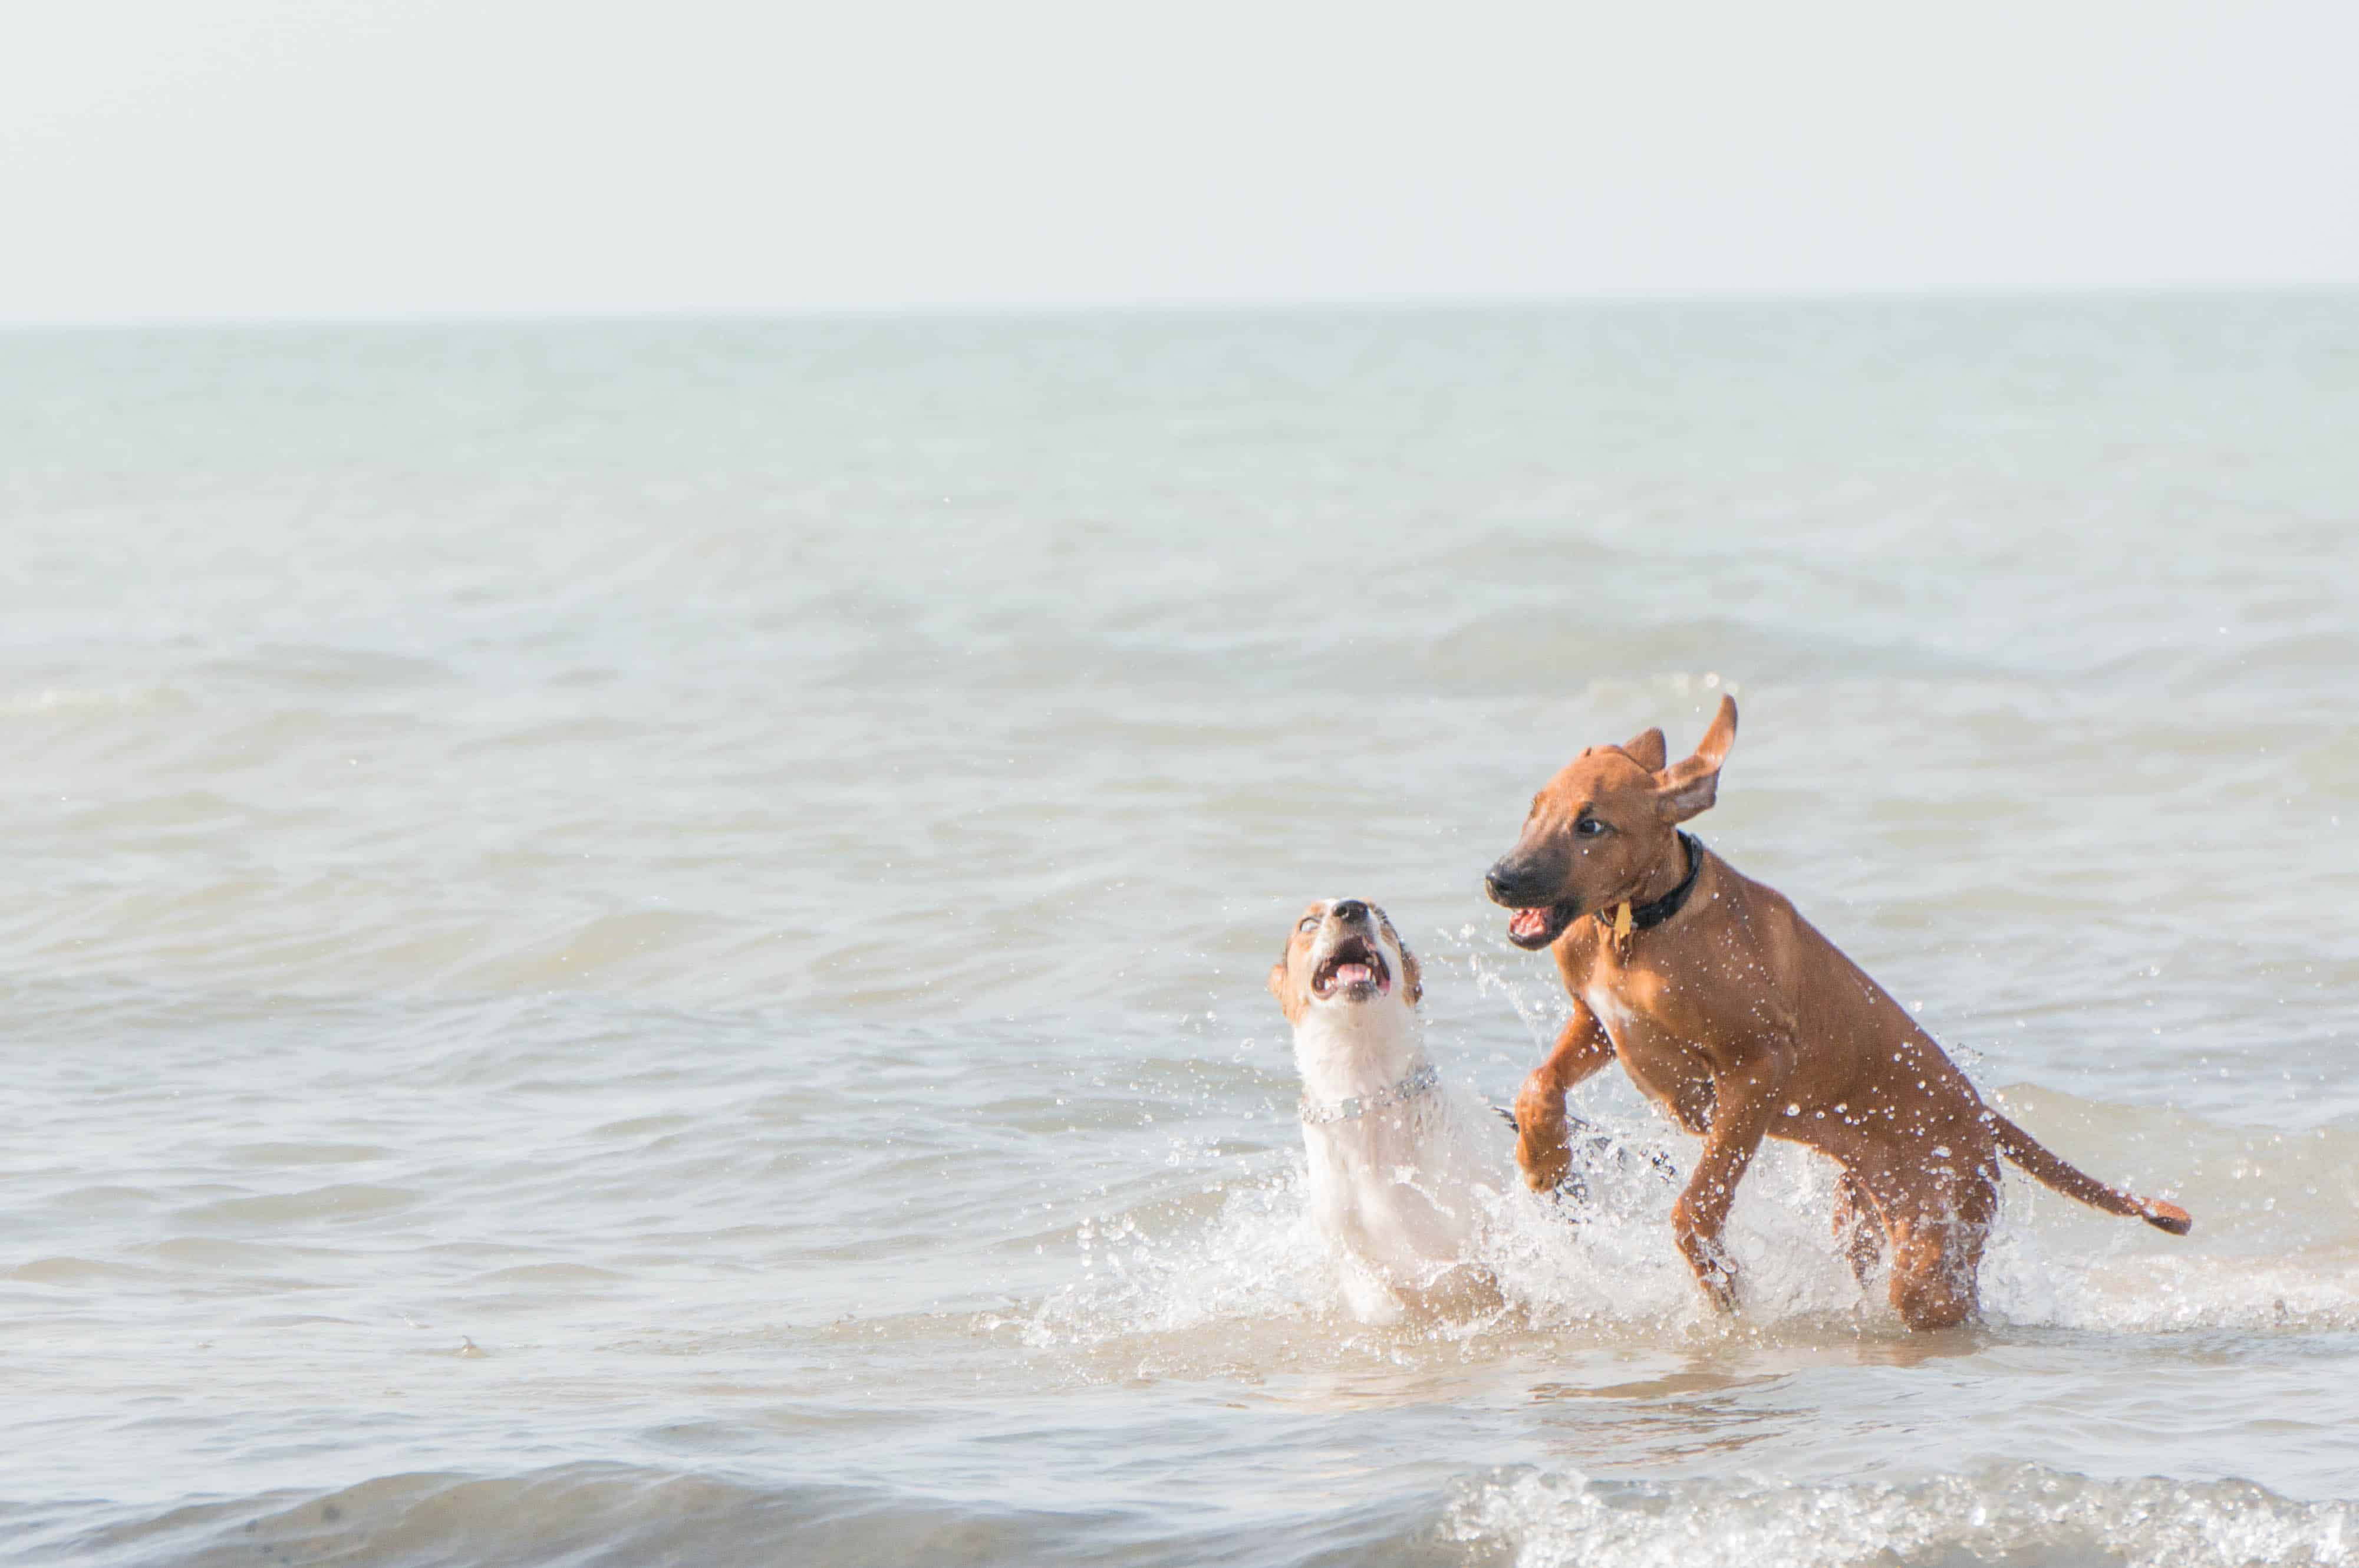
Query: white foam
point(2151, 1294)
point(2015, 1514)
point(1259, 1257)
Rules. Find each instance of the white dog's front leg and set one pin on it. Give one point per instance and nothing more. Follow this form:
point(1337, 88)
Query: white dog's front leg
point(1372, 1300)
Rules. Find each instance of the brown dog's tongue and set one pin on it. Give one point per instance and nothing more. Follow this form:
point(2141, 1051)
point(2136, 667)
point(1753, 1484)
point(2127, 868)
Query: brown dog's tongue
point(1529, 923)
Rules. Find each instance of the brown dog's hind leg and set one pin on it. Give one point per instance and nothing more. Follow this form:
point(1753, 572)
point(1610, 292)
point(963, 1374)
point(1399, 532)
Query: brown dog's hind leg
point(1933, 1269)
point(1740, 1120)
point(1859, 1225)
point(1937, 1232)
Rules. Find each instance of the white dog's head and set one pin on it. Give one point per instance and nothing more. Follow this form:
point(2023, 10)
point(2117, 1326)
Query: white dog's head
point(1344, 952)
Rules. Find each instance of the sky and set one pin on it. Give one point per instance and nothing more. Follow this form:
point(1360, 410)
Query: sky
point(170, 159)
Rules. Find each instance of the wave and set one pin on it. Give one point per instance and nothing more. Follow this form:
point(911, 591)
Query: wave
point(2014, 1514)
point(587, 1514)
point(591, 1514)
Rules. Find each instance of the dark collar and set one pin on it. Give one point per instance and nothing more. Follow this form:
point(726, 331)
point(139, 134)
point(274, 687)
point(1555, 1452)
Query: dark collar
point(1644, 915)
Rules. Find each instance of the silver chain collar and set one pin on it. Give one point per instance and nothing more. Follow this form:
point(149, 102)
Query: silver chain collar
point(1358, 1105)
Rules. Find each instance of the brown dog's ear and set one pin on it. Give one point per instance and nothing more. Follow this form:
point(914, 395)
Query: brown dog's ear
point(1691, 786)
point(1646, 749)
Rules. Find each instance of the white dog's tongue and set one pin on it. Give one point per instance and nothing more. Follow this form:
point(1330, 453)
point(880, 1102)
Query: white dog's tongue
point(1529, 923)
point(1354, 974)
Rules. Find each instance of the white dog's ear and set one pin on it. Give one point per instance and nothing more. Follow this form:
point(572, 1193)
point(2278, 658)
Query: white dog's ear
point(1412, 976)
point(1287, 1002)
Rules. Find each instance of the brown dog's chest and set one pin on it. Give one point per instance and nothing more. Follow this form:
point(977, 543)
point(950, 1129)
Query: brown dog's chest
point(1661, 1035)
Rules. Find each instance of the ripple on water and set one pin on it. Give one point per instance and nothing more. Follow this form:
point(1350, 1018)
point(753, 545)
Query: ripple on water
point(594, 1514)
point(76, 1272)
point(342, 1201)
point(284, 1154)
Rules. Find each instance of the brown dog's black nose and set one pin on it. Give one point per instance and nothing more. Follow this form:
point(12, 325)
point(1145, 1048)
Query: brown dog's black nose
point(1507, 886)
point(1350, 910)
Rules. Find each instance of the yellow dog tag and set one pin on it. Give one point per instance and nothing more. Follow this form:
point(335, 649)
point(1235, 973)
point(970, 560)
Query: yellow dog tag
point(1621, 920)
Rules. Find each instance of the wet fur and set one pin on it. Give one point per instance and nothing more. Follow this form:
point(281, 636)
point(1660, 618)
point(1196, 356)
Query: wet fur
point(1744, 1022)
point(1398, 1191)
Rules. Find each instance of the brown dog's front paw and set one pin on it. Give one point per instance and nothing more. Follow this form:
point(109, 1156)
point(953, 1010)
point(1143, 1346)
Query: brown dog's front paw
point(1543, 1142)
point(1544, 1162)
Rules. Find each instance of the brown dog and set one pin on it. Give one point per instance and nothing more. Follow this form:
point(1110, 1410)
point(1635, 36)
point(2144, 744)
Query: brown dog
point(1730, 1009)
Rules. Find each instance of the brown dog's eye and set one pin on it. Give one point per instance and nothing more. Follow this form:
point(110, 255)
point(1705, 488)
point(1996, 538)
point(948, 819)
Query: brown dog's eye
point(1589, 827)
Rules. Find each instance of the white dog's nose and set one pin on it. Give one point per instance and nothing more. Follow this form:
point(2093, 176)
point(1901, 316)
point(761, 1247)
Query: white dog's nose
point(1350, 910)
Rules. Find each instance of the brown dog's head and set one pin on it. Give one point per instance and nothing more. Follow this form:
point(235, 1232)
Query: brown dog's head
point(1600, 826)
point(1344, 952)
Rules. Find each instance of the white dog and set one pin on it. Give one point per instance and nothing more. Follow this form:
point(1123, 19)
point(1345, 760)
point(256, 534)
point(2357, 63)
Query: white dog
point(1399, 1180)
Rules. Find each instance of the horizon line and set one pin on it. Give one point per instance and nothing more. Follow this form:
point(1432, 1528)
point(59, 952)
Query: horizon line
point(1207, 306)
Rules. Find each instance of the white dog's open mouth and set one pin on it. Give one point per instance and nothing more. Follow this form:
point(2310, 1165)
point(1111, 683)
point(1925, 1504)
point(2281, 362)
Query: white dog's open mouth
point(1355, 970)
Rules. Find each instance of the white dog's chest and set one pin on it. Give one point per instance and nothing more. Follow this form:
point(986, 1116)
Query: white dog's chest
point(1397, 1186)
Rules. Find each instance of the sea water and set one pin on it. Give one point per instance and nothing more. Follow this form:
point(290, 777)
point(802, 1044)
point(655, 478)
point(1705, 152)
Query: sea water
point(643, 942)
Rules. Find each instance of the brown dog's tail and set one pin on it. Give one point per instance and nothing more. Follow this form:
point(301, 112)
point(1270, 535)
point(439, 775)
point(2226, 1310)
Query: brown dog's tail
point(2024, 1151)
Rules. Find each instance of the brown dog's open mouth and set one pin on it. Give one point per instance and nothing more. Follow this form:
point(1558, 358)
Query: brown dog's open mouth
point(1355, 970)
point(1538, 928)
